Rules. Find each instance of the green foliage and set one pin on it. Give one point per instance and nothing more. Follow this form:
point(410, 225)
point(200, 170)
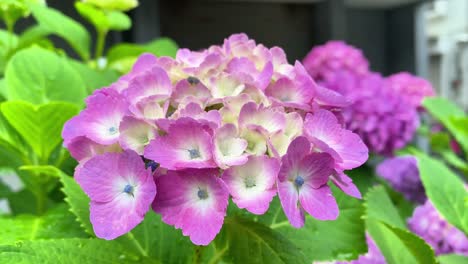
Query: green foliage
point(94, 79)
point(452, 259)
point(151, 239)
point(103, 20)
point(342, 239)
point(250, 242)
point(122, 56)
point(389, 231)
point(78, 201)
point(73, 250)
point(451, 116)
point(122, 5)
point(56, 223)
point(39, 76)
point(445, 190)
point(40, 126)
point(56, 23)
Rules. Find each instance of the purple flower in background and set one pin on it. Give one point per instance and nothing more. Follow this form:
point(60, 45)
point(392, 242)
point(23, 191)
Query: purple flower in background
point(412, 88)
point(403, 175)
point(373, 255)
point(381, 117)
point(444, 238)
point(121, 191)
point(325, 61)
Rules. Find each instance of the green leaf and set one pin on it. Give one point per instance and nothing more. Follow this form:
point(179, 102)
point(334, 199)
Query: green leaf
point(39, 76)
point(94, 79)
point(122, 56)
point(157, 240)
point(56, 223)
point(70, 251)
point(250, 242)
point(445, 190)
point(389, 232)
point(342, 239)
point(40, 126)
point(103, 20)
point(122, 5)
point(446, 112)
point(4, 189)
point(78, 201)
point(22, 202)
point(452, 259)
point(65, 27)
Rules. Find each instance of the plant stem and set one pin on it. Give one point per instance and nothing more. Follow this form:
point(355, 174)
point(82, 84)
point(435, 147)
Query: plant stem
point(100, 42)
point(197, 255)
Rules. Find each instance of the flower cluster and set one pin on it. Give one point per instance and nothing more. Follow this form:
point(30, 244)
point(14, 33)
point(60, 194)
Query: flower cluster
point(403, 175)
point(444, 238)
point(235, 120)
point(383, 111)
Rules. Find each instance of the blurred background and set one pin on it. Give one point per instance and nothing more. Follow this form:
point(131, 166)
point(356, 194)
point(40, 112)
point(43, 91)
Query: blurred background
point(427, 38)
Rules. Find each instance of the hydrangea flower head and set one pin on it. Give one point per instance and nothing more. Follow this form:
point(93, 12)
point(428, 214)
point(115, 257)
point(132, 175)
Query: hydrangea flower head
point(235, 120)
point(403, 175)
point(444, 238)
point(380, 116)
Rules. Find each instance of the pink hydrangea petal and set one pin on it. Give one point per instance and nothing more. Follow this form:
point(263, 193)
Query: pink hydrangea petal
point(297, 150)
point(82, 148)
point(151, 107)
point(316, 169)
point(152, 82)
point(135, 134)
point(252, 185)
point(190, 87)
point(229, 147)
point(346, 184)
point(180, 204)
point(187, 144)
point(319, 203)
point(289, 198)
point(258, 116)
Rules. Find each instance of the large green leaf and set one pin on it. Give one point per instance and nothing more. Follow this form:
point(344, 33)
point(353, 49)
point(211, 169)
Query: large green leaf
point(452, 259)
point(155, 239)
point(246, 241)
point(40, 126)
point(92, 78)
point(39, 76)
point(78, 201)
point(342, 239)
point(70, 251)
point(460, 126)
point(445, 190)
point(389, 232)
point(56, 223)
point(446, 111)
point(65, 27)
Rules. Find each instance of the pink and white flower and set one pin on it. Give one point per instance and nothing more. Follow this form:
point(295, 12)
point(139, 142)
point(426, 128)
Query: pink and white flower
point(194, 200)
point(121, 191)
point(302, 184)
point(252, 185)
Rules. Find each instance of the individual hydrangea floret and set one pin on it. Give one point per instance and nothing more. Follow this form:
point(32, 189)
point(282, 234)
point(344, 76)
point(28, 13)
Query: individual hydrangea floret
point(403, 175)
point(444, 238)
point(121, 190)
point(209, 125)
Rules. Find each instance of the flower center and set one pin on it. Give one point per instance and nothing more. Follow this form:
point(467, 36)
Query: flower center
point(193, 80)
point(299, 181)
point(112, 130)
point(202, 194)
point(194, 153)
point(128, 189)
point(249, 182)
point(152, 164)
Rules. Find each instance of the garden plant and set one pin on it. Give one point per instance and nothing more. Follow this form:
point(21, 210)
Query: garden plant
point(147, 153)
